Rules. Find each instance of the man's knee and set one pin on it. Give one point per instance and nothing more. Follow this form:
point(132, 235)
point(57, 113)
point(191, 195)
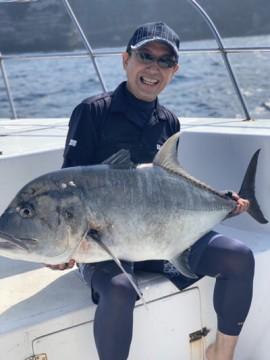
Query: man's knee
point(240, 263)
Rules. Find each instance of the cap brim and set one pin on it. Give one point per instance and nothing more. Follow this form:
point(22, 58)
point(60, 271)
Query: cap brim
point(147, 41)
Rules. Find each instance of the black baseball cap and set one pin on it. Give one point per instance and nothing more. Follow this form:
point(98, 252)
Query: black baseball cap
point(154, 31)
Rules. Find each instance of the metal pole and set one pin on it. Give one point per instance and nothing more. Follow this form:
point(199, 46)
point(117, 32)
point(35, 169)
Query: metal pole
point(224, 56)
point(7, 87)
point(86, 43)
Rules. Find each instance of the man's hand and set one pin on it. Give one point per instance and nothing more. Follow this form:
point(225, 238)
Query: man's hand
point(64, 266)
point(242, 205)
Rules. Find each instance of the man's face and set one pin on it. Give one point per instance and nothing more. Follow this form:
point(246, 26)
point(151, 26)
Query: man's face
point(146, 81)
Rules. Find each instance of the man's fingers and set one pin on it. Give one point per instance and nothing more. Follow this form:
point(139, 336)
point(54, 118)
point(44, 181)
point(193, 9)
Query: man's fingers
point(242, 205)
point(71, 263)
point(235, 196)
point(63, 266)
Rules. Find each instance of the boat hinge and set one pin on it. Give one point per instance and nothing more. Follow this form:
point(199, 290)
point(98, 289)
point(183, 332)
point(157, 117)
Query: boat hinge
point(197, 335)
point(38, 357)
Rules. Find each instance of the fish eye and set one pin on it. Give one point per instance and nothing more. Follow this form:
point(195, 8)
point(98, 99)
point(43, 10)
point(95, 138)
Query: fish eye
point(26, 212)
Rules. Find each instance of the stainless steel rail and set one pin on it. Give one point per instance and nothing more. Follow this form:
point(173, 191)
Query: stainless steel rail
point(110, 53)
point(85, 41)
point(221, 49)
point(7, 87)
point(224, 56)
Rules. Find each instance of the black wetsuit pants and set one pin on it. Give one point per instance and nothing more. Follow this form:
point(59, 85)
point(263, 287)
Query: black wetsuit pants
point(228, 260)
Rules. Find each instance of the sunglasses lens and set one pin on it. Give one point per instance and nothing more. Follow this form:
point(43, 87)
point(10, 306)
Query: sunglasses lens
point(163, 62)
point(145, 58)
point(166, 63)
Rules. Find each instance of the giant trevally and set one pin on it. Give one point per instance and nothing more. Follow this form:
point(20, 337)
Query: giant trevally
point(90, 213)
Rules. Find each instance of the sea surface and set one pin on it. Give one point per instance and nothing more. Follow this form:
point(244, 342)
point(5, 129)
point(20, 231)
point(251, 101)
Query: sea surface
point(202, 87)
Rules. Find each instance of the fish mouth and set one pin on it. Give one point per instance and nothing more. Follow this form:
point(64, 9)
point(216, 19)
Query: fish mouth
point(8, 242)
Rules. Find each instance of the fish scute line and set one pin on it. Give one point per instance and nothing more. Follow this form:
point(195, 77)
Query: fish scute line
point(194, 182)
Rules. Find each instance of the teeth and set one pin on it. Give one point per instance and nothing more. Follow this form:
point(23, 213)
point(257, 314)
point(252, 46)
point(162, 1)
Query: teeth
point(149, 81)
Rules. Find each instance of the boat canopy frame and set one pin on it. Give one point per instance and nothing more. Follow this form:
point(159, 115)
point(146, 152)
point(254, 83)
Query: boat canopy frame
point(94, 55)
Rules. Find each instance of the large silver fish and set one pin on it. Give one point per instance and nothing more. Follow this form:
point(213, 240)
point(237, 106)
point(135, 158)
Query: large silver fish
point(91, 213)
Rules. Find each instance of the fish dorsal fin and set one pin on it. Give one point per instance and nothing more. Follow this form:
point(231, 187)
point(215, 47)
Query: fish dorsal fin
point(167, 159)
point(120, 160)
point(167, 155)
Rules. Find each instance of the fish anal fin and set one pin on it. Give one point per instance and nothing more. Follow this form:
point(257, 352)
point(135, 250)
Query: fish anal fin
point(181, 263)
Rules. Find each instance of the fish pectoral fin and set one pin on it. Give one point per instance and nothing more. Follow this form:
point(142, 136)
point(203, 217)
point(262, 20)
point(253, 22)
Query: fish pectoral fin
point(97, 237)
point(181, 263)
point(120, 160)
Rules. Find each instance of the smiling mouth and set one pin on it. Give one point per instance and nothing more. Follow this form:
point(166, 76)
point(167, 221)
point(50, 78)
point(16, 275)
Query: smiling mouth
point(10, 242)
point(147, 81)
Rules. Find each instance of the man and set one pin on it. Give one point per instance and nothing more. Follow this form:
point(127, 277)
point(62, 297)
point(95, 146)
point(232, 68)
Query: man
point(132, 118)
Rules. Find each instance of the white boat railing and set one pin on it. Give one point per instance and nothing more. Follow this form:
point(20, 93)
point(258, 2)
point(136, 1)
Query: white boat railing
point(222, 49)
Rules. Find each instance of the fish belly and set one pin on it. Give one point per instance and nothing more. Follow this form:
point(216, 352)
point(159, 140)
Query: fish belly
point(166, 240)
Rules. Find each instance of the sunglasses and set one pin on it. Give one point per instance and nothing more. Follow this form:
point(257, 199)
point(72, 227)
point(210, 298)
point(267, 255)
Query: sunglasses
point(164, 62)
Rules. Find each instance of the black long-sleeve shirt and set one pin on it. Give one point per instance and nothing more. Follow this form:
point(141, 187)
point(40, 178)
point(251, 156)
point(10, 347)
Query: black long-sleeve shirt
point(104, 124)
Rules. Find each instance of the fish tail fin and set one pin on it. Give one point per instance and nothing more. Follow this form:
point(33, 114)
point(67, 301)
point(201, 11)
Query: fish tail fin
point(247, 190)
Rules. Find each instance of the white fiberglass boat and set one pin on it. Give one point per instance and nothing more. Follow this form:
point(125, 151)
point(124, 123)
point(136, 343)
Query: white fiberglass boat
point(48, 315)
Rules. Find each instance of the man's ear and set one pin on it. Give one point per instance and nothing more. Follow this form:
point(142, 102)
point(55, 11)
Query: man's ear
point(125, 57)
point(177, 68)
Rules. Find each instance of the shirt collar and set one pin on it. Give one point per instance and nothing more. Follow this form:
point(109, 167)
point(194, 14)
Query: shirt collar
point(119, 104)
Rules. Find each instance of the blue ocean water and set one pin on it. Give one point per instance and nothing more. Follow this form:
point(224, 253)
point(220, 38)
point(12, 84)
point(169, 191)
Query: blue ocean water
point(52, 88)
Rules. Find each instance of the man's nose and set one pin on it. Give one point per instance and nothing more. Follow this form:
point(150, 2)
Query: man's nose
point(153, 67)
